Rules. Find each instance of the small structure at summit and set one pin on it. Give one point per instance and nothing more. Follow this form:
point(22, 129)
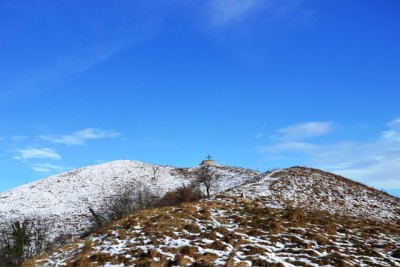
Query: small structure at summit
point(209, 162)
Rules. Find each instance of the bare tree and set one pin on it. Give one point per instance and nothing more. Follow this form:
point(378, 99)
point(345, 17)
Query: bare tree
point(207, 178)
point(155, 169)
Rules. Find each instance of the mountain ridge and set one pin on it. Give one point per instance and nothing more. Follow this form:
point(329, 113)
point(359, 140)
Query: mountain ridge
point(65, 198)
point(311, 188)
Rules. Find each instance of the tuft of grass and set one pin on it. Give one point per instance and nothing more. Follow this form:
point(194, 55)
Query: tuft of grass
point(182, 260)
point(217, 245)
point(330, 228)
point(190, 251)
point(222, 230)
point(295, 216)
point(206, 259)
point(192, 227)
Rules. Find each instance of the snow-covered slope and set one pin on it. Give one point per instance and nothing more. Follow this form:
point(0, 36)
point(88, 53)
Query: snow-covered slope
point(65, 198)
point(315, 189)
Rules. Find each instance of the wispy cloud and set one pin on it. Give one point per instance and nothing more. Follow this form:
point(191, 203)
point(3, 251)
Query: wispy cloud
point(223, 12)
point(30, 82)
point(47, 167)
point(99, 42)
point(256, 13)
point(375, 162)
point(18, 138)
point(80, 137)
point(37, 153)
point(304, 130)
point(393, 133)
point(287, 146)
point(259, 135)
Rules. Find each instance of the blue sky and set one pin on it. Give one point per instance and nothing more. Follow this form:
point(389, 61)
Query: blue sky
point(257, 84)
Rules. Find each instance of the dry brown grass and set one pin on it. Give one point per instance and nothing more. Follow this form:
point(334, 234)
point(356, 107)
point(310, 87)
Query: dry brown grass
point(330, 228)
point(217, 245)
point(261, 263)
point(209, 235)
point(190, 251)
point(295, 216)
point(192, 227)
point(222, 230)
point(317, 229)
point(207, 259)
point(182, 260)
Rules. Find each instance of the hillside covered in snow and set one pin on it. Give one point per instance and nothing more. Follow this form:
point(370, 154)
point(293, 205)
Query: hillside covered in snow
point(287, 217)
point(313, 189)
point(64, 199)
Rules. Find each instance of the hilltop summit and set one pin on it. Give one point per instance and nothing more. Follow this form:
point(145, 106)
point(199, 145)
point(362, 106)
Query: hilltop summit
point(314, 189)
point(209, 162)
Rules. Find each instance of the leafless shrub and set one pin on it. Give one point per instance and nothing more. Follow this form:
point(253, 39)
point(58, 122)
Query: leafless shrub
point(127, 202)
point(22, 240)
point(189, 193)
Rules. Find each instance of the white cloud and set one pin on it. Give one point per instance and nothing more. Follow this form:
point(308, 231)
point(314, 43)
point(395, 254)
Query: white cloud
point(394, 123)
point(14, 139)
point(80, 137)
point(374, 162)
point(259, 135)
point(47, 167)
point(393, 133)
point(255, 13)
point(224, 11)
point(18, 138)
point(288, 146)
point(304, 130)
point(37, 153)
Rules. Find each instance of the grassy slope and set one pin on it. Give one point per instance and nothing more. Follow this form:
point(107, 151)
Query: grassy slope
point(232, 232)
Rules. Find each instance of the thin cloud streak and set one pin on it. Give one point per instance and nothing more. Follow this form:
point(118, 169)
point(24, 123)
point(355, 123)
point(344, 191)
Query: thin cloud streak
point(47, 168)
point(288, 146)
point(304, 130)
point(223, 12)
point(80, 137)
point(30, 82)
point(393, 134)
point(37, 153)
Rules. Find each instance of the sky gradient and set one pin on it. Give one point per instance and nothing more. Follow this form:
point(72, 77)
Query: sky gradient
point(257, 84)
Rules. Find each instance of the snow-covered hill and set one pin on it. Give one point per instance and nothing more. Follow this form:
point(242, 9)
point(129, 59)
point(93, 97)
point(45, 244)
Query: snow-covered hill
point(318, 190)
point(64, 199)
